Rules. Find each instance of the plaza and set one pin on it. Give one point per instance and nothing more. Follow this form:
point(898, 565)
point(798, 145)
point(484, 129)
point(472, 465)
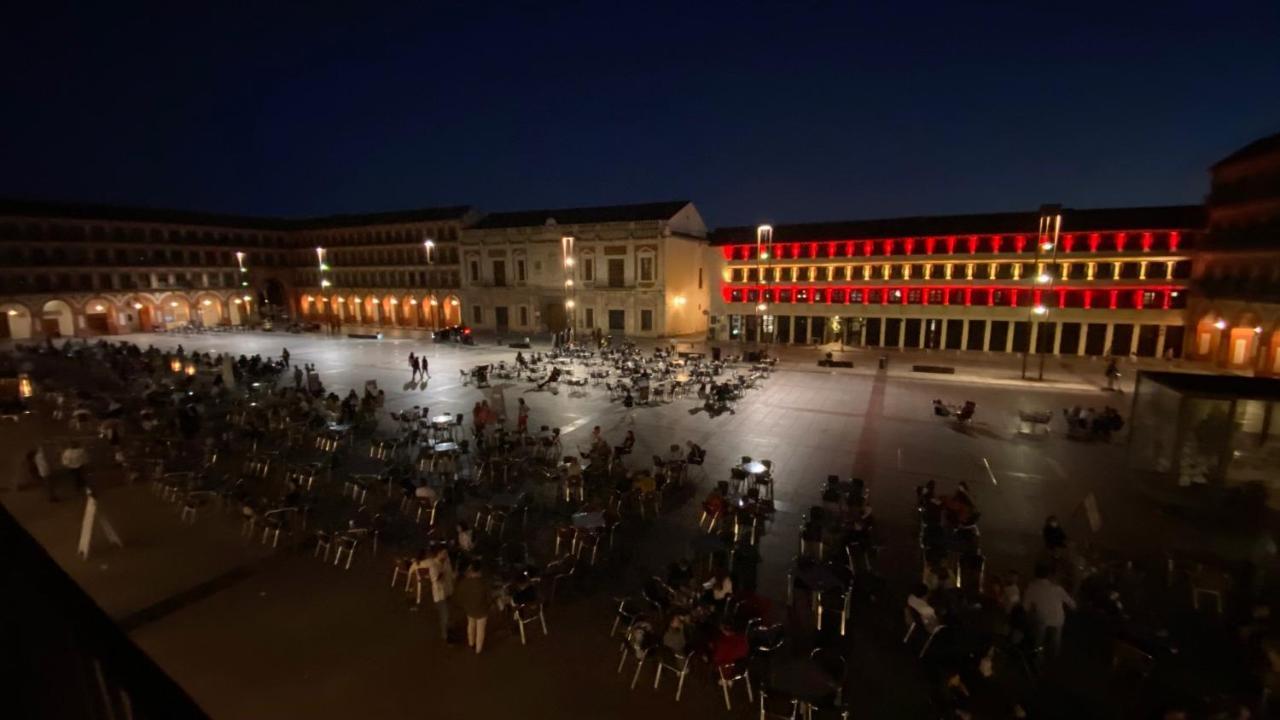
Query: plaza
point(252, 631)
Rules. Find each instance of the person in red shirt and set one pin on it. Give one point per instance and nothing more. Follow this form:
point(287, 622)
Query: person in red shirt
point(728, 647)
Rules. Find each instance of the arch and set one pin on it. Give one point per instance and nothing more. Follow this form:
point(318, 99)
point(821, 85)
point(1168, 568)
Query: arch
point(57, 319)
point(410, 315)
point(15, 321)
point(1208, 335)
point(342, 306)
point(175, 310)
point(451, 311)
point(387, 310)
point(429, 308)
point(100, 316)
point(140, 312)
point(368, 310)
point(239, 309)
point(210, 310)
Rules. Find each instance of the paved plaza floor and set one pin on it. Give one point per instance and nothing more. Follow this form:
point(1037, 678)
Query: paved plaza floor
point(255, 633)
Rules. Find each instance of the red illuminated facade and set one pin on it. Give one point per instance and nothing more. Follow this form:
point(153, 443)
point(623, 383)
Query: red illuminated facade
point(1114, 282)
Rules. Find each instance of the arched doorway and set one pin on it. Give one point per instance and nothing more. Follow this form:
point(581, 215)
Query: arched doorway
point(175, 311)
point(57, 319)
point(140, 314)
point(451, 309)
point(369, 310)
point(239, 310)
point(431, 312)
point(15, 321)
point(387, 311)
point(100, 316)
point(209, 311)
point(1243, 339)
point(1208, 336)
point(408, 315)
point(273, 292)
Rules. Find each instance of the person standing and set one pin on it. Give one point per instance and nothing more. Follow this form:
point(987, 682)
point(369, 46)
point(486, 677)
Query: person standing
point(440, 572)
point(74, 458)
point(284, 356)
point(297, 378)
point(522, 417)
point(1045, 602)
point(413, 365)
point(425, 374)
point(473, 597)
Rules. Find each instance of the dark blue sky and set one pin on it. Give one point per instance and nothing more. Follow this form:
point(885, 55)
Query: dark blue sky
point(788, 111)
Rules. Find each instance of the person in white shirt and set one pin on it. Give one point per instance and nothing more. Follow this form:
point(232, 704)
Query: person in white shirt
point(1045, 602)
point(918, 601)
point(74, 458)
point(440, 572)
point(466, 538)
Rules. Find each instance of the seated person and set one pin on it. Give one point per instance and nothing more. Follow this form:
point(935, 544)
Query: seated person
point(719, 587)
point(643, 481)
point(676, 637)
point(728, 646)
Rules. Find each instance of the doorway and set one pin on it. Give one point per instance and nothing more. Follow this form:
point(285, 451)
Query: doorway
point(499, 274)
point(500, 318)
point(617, 318)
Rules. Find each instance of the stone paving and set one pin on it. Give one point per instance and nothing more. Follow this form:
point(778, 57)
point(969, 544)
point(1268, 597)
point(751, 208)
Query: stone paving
point(255, 633)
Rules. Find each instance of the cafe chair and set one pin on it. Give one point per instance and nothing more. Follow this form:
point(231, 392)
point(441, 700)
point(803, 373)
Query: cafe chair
point(629, 611)
point(192, 503)
point(811, 536)
point(730, 674)
point(778, 706)
point(914, 621)
point(345, 544)
point(324, 543)
point(568, 536)
point(275, 521)
point(399, 567)
point(527, 613)
point(427, 508)
point(833, 663)
point(675, 662)
point(835, 601)
point(557, 572)
point(637, 643)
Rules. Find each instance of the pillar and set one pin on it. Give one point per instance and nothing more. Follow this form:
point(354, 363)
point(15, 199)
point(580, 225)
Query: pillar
point(1084, 334)
point(986, 336)
point(1133, 340)
point(882, 324)
point(1057, 340)
point(902, 333)
point(964, 334)
point(1160, 342)
point(1033, 346)
point(924, 330)
point(1108, 337)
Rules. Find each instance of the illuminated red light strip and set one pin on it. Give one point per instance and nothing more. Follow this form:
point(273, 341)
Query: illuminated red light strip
point(909, 246)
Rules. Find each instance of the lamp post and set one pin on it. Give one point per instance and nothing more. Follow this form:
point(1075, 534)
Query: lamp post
point(429, 251)
point(331, 312)
point(1046, 242)
point(764, 264)
point(566, 253)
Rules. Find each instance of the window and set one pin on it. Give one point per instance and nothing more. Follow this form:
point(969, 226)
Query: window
point(618, 320)
point(588, 268)
point(520, 274)
point(477, 314)
point(646, 318)
point(591, 318)
point(474, 268)
point(524, 311)
point(617, 273)
point(646, 269)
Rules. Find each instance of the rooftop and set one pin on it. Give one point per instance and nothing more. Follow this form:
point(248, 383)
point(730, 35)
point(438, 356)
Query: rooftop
point(1258, 148)
point(583, 215)
point(37, 208)
point(1173, 217)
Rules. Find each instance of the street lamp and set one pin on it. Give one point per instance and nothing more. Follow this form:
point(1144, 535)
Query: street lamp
point(764, 254)
point(566, 253)
point(1046, 242)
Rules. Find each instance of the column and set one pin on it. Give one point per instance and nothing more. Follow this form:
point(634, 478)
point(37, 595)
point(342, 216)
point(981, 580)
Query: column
point(924, 331)
point(986, 336)
point(1160, 343)
point(902, 333)
point(1057, 339)
point(1084, 334)
point(1032, 346)
point(1133, 339)
point(882, 324)
point(964, 334)
point(862, 334)
point(1107, 337)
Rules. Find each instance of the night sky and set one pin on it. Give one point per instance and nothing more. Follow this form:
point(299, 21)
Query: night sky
point(773, 111)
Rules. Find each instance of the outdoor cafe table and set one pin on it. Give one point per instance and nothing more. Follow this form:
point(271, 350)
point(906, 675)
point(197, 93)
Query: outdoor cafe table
point(446, 447)
point(442, 420)
point(588, 520)
point(754, 467)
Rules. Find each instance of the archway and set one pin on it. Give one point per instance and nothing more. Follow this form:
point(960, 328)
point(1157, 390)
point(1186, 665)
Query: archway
point(431, 312)
point(1208, 336)
point(1242, 341)
point(15, 321)
point(451, 310)
point(239, 311)
point(408, 314)
point(140, 314)
point(368, 310)
point(273, 292)
point(175, 311)
point(209, 311)
point(57, 319)
point(387, 311)
point(100, 316)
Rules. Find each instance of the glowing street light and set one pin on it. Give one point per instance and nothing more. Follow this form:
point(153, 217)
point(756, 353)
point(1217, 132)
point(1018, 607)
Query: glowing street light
point(1039, 310)
point(1220, 324)
point(1044, 278)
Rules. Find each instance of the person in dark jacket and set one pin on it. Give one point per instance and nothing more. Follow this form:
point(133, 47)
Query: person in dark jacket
point(472, 595)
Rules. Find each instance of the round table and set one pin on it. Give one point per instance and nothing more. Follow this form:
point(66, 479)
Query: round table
point(442, 419)
point(445, 447)
point(754, 467)
point(588, 520)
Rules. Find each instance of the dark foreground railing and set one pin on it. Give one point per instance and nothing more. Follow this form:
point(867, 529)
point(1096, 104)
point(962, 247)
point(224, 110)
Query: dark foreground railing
point(61, 656)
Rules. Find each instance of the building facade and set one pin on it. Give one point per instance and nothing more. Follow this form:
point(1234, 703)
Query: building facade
point(1097, 282)
point(1235, 309)
point(633, 270)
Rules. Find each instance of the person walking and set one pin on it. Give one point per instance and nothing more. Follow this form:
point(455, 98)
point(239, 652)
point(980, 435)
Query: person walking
point(74, 458)
point(473, 597)
point(284, 356)
point(1045, 602)
point(522, 417)
point(38, 466)
point(413, 365)
point(425, 374)
point(440, 572)
point(297, 378)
